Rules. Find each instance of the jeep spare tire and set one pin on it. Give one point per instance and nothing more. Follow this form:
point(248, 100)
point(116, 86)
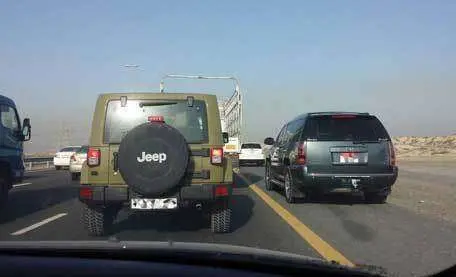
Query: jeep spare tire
point(153, 158)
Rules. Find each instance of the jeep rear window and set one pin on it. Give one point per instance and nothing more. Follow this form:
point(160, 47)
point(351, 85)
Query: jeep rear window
point(190, 121)
point(251, 146)
point(358, 128)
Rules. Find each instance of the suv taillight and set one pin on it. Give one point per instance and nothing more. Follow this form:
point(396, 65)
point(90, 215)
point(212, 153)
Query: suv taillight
point(216, 155)
point(392, 154)
point(93, 157)
point(301, 148)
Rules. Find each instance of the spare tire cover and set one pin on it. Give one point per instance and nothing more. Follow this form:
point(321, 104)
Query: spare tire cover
point(153, 158)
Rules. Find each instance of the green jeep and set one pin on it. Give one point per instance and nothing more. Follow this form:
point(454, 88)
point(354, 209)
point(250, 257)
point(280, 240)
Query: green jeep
point(152, 152)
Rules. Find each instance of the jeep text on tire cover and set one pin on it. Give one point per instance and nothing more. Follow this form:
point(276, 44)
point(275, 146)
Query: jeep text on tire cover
point(155, 157)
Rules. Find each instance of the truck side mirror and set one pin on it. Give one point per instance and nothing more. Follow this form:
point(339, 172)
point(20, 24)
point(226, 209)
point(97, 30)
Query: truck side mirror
point(26, 129)
point(225, 137)
point(269, 141)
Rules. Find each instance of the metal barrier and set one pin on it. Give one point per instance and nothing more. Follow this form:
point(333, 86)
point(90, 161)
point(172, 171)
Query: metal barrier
point(38, 163)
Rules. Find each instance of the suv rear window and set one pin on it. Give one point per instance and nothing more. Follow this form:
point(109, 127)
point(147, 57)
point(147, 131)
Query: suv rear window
point(358, 128)
point(83, 149)
point(251, 146)
point(190, 121)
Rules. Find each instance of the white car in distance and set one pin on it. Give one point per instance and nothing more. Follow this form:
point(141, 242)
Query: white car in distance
point(62, 158)
point(251, 153)
point(76, 162)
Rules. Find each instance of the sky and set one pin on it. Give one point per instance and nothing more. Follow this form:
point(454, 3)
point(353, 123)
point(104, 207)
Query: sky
point(394, 59)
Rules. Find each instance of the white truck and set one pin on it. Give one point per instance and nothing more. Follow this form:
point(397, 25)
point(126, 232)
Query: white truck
point(230, 114)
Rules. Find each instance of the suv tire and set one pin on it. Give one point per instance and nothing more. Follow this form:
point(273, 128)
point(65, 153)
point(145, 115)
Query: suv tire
point(289, 189)
point(374, 198)
point(98, 220)
point(221, 219)
point(267, 178)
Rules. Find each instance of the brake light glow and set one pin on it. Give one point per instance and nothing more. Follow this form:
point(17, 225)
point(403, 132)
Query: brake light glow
point(85, 193)
point(221, 191)
point(301, 153)
point(156, 118)
point(392, 154)
point(93, 157)
point(216, 155)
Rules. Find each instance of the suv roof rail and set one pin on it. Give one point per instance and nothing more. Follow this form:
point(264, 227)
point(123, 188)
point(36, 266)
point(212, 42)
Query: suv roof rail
point(331, 113)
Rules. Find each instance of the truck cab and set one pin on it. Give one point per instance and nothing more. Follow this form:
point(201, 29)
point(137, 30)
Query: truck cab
point(12, 135)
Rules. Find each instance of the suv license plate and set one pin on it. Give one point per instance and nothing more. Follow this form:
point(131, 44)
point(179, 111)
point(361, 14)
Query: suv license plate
point(349, 158)
point(154, 204)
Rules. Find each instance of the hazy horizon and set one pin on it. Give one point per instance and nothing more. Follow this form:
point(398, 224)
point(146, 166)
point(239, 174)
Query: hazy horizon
point(394, 59)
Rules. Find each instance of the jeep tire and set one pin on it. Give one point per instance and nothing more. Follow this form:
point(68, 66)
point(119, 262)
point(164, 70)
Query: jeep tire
point(98, 220)
point(221, 218)
point(140, 158)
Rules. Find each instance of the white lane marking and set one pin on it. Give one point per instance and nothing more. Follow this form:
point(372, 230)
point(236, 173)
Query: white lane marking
point(38, 224)
point(21, 185)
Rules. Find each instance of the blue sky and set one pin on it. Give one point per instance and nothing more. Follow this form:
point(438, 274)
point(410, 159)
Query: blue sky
point(396, 59)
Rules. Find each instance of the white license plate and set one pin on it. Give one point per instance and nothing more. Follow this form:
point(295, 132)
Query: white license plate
point(154, 204)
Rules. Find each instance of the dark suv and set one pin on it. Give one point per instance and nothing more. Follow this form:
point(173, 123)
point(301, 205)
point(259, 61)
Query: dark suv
point(332, 152)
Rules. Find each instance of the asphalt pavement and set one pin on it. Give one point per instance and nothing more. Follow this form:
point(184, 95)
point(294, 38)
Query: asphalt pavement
point(45, 207)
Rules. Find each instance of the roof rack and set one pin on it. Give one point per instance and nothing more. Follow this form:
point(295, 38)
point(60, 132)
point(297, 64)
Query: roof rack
point(329, 113)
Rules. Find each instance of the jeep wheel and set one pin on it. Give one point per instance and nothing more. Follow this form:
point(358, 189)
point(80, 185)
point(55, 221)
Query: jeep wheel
point(98, 220)
point(153, 158)
point(221, 219)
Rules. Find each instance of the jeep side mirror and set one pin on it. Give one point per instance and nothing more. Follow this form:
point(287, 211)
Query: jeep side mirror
point(225, 137)
point(26, 129)
point(269, 141)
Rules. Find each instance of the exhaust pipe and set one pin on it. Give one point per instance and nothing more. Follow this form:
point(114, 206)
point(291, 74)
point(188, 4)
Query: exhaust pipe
point(198, 206)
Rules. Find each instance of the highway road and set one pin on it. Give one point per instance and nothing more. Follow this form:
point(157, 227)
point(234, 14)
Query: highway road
point(45, 207)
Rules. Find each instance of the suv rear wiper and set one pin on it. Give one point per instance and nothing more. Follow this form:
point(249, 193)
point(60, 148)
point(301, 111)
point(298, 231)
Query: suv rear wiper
point(142, 104)
point(369, 141)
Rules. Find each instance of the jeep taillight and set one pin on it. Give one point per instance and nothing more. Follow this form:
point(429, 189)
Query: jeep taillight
point(93, 157)
point(392, 154)
point(216, 155)
point(301, 149)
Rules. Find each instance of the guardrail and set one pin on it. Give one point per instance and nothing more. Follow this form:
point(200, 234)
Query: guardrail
point(38, 163)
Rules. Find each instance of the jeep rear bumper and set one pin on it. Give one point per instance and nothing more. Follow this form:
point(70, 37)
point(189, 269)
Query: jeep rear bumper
point(121, 195)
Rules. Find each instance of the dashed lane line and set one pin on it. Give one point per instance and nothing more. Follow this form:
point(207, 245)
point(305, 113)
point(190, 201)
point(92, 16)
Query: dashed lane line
point(38, 224)
point(21, 185)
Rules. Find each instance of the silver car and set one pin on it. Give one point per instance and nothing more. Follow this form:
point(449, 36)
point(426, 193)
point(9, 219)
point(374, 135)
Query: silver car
point(76, 162)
